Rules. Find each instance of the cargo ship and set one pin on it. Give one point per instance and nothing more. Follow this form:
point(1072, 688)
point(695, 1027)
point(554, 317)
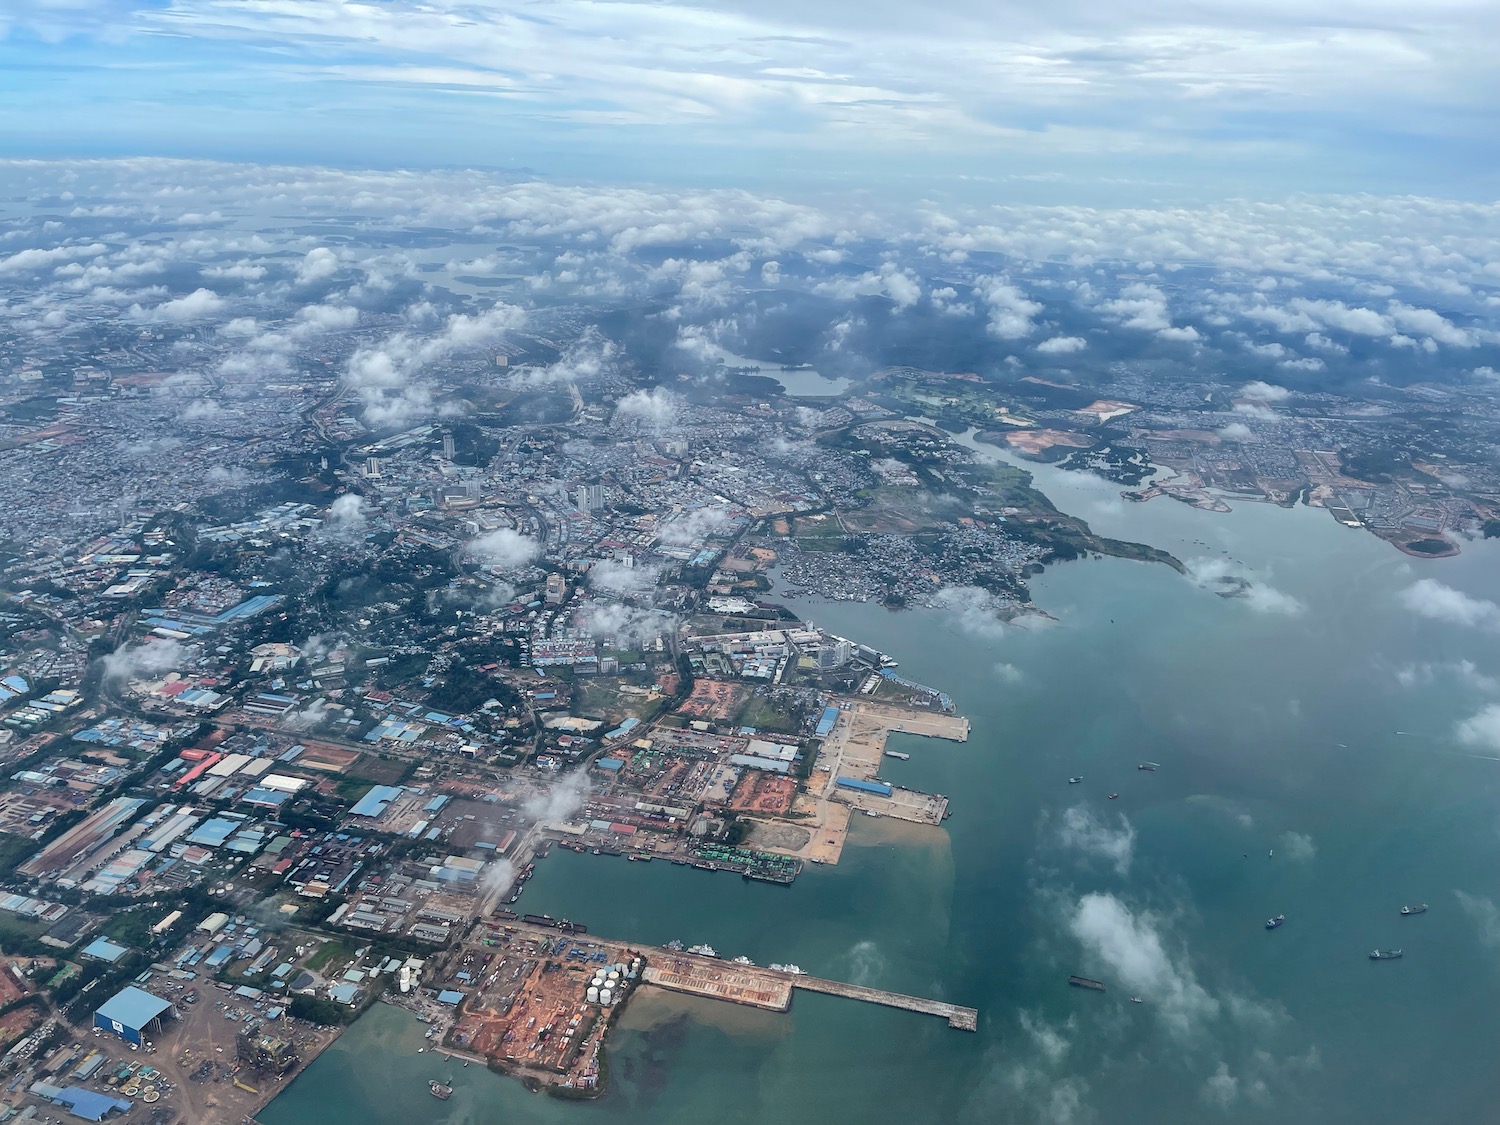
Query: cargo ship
point(1085, 982)
point(703, 950)
point(1272, 923)
point(1385, 955)
point(1421, 909)
point(898, 754)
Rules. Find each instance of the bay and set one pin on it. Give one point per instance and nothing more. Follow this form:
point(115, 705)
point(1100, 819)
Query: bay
point(1274, 718)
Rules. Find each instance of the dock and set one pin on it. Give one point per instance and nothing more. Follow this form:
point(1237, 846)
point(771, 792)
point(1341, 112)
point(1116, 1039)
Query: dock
point(964, 1019)
point(771, 989)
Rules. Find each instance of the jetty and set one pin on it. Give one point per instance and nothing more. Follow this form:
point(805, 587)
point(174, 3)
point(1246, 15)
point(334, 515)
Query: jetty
point(964, 1019)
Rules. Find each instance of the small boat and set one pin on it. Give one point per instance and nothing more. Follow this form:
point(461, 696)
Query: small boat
point(1149, 767)
point(1272, 923)
point(1136, 1000)
point(1385, 955)
point(439, 1090)
point(898, 754)
point(1114, 796)
point(743, 960)
point(1075, 780)
point(1420, 909)
point(675, 946)
point(703, 950)
point(1270, 853)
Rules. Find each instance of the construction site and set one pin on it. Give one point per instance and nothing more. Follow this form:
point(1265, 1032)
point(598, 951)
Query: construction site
point(535, 1001)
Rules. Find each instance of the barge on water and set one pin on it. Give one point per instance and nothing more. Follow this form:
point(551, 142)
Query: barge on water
point(1085, 982)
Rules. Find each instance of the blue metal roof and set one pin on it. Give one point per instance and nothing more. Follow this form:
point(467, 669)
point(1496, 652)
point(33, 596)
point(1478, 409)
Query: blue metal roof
point(375, 801)
point(863, 786)
point(87, 1104)
point(102, 949)
point(133, 1007)
point(826, 723)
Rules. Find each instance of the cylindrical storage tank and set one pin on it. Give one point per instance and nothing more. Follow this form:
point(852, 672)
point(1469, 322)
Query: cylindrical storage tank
point(593, 995)
point(598, 981)
point(405, 979)
point(613, 976)
point(606, 997)
point(619, 966)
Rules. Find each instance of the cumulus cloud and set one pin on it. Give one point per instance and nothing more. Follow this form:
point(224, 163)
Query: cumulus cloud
point(561, 801)
point(198, 304)
point(1259, 391)
point(1222, 1088)
point(621, 579)
point(1432, 599)
point(1236, 431)
point(1131, 949)
point(145, 660)
point(1139, 306)
point(1062, 345)
point(974, 611)
point(1224, 578)
point(901, 286)
point(1298, 846)
point(627, 625)
point(1482, 730)
point(656, 409)
point(1010, 310)
point(505, 549)
point(693, 527)
point(382, 374)
point(346, 515)
point(1008, 673)
point(318, 264)
point(1082, 831)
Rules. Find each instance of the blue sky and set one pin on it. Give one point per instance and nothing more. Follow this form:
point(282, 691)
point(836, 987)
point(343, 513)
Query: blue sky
point(1181, 99)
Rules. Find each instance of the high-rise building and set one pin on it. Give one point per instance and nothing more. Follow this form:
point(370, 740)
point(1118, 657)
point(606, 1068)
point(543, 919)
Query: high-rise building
point(447, 445)
point(589, 497)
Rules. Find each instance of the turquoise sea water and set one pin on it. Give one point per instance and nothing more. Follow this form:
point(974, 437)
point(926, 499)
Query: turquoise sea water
point(1274, 720)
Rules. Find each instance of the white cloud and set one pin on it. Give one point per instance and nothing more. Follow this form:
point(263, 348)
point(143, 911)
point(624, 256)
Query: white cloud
point(693, 527)
point(657, 408)
point(1223, 577)
point(1011, 311)
point(1298, 846)
point(1083, 832)
point(196, 305)
point(1430, 598)
point(145, 660)
point(974, 611)
point(1222, 1088)
point(1259, 391)
point(319, 264)
point(1482, 729)
point(1139, 306)
point(1062, 345)
point(1131, 949)
point(505, 549)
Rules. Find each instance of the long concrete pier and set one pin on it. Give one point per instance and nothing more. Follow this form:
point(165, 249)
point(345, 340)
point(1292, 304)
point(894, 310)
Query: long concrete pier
point(965, 1019)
